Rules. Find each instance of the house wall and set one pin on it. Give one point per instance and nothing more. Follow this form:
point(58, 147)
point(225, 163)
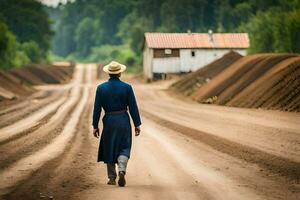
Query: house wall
point(202, 57)
point(166, 65)
point(147, 62)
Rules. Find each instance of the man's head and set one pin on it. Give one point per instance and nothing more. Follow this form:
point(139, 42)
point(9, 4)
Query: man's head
point(114, 68)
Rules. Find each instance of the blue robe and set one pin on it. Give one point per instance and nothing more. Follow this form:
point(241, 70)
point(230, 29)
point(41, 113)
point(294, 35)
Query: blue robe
point(116, 137)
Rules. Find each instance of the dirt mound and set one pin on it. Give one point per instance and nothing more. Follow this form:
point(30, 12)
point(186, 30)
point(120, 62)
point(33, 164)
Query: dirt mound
point(277, 89)
point(191, 82)
point(44, 74)
point(5, 94)
point(253, 74)
point(11, 87)
point(268, 81)
point(17, 82)
point(227, 77)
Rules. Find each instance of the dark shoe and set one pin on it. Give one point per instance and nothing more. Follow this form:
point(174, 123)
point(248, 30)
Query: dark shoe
point(122, 181)
point(111, 182)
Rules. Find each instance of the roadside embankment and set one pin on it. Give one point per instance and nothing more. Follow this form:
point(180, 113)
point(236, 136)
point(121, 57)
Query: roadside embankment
point(268, 81)
point(18, 82)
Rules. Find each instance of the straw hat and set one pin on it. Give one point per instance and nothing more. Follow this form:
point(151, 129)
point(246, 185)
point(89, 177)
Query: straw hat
point(114, 68)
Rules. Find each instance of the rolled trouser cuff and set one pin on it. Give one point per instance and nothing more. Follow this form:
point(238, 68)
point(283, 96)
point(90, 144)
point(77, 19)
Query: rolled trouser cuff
point(122, 163)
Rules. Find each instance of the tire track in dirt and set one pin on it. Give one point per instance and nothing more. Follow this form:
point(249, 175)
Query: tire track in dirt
point(43, 94)
point(23, 168)
point(14, 130)
point(26, 102)
point(249, 131)
point(38, 138)
point(268, 161)
point(30, 107)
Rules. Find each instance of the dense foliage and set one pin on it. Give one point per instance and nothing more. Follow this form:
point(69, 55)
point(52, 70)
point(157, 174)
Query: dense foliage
point(104, 29)
point(25, 34)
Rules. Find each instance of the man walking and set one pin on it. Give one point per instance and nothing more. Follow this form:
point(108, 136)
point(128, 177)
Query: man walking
point(114, 97)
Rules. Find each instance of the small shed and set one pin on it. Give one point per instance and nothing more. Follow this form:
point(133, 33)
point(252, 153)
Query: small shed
point(165, 53)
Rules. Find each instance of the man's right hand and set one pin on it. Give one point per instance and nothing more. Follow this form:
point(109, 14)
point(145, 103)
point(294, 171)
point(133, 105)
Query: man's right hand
point(96, 132)
point(137, 131)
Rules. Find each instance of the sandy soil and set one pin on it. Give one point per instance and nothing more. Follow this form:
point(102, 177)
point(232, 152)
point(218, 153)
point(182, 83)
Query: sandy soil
point(185, 151)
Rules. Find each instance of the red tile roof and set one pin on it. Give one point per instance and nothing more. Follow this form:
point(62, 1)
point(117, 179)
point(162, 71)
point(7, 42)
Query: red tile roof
point(196, 40)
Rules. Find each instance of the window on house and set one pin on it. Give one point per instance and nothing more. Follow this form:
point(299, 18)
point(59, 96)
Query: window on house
point(193, 53)
point(168, 51)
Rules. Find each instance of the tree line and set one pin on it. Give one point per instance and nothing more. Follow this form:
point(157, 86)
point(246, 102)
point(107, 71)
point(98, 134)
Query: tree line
point(96, 30)
point(25, 34)
point(101, 30)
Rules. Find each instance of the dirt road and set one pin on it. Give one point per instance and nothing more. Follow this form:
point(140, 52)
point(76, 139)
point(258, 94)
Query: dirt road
point(185, 151)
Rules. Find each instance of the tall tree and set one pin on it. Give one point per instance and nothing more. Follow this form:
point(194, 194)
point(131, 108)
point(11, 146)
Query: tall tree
point(28, 21)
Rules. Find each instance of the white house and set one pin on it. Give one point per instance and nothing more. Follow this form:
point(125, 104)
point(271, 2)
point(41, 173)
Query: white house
point(165, 53)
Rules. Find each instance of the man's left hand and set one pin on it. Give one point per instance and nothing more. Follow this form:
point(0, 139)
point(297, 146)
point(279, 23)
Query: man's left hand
point(137, 131)
point(96, 132)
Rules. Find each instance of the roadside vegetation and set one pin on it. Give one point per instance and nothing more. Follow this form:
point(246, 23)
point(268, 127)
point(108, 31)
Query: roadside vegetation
point(102, 30)
point(25, 34)
point(93, 30)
